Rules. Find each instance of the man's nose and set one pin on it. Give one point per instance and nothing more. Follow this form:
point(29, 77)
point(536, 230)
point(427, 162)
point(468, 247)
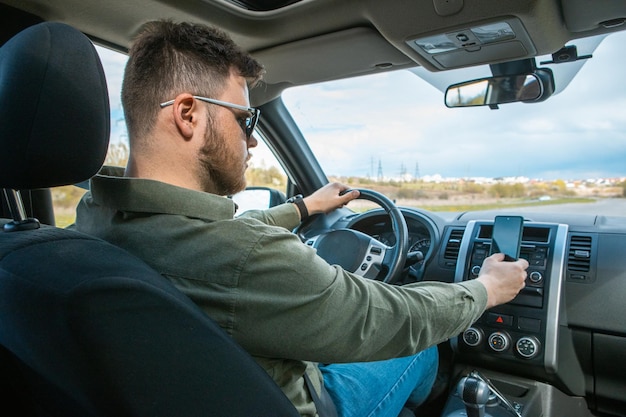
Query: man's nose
point(252, 142)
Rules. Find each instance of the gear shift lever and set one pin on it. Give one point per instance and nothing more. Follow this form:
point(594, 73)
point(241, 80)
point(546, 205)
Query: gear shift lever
point(475, 393)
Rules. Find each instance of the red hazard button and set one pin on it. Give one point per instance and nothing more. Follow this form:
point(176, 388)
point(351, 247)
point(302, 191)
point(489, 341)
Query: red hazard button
point(500, 319)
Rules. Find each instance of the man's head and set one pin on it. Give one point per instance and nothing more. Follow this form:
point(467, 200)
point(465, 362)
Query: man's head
point(169, 65)
point(169, 58)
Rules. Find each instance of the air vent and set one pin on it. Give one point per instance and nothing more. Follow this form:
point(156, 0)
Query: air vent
point(579, 255)
point(454, 244)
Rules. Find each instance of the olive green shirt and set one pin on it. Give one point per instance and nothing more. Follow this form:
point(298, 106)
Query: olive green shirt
point(280, 301)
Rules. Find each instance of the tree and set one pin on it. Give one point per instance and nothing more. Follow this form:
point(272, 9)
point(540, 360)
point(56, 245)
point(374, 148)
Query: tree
point(117, 154)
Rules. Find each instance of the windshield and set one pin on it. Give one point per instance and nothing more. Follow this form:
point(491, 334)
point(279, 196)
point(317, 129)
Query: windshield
point(392, 132)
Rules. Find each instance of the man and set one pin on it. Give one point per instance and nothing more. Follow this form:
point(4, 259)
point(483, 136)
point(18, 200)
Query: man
point(185, 97)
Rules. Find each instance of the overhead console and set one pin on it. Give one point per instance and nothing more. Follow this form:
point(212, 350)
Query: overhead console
point(522, 335)
point(503, 40)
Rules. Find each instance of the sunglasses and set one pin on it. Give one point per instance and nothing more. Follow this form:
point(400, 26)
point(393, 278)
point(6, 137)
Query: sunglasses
point(247, 124)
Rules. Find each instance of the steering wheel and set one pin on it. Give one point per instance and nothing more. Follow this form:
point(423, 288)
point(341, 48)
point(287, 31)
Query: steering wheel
point(361, 254)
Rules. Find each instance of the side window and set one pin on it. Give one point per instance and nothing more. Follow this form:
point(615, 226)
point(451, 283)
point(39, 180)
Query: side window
point(266, 180)
point(264, 170)
point(65, 199)
point(113, 63)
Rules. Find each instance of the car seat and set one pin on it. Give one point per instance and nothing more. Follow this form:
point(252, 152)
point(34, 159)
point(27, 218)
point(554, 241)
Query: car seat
point(87, 329)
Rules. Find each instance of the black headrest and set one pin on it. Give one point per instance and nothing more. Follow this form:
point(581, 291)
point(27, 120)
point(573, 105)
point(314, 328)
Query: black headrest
point(54, 108)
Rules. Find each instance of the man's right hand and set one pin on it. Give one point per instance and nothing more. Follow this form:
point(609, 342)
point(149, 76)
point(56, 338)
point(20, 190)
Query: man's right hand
point(503, 280)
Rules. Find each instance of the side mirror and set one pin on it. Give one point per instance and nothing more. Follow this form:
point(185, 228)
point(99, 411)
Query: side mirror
point(491, 91)
point(258, 198)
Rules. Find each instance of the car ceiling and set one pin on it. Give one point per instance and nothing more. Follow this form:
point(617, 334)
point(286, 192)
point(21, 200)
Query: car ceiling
point(318, 40)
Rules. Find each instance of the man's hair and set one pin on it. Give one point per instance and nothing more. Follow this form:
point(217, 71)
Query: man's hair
point(169, 58)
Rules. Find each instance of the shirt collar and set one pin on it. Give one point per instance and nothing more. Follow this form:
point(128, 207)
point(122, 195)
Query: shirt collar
point(110, 188)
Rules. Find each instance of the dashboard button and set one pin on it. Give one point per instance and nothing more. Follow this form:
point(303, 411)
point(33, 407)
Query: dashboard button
point(535, 277)
point(500, 319)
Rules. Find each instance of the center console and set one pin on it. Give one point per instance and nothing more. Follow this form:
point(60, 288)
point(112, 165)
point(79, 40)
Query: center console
point(518, 359)
point(524, 331)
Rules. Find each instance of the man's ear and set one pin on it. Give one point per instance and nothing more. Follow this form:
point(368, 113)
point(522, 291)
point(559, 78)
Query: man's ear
point(186, 113)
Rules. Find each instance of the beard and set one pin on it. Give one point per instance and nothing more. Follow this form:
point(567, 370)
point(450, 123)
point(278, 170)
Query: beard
point(221, 172)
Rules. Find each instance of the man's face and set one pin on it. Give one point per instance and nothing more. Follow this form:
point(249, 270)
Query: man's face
point(224, 156)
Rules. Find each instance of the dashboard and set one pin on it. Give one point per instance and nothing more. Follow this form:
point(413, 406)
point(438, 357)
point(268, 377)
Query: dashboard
point(565, 329)
point(379, 227)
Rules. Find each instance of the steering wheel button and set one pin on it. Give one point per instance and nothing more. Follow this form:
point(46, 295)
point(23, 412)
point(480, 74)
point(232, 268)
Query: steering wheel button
point(376, 250)
point(363, 266)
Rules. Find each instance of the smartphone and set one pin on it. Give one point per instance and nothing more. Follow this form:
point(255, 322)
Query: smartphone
point(507, 236)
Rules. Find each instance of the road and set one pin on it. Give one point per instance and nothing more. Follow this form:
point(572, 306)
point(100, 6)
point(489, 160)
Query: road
point(605, 206)
point(602, 207)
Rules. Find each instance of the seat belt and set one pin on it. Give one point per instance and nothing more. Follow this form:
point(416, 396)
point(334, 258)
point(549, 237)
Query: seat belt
point(323, 403)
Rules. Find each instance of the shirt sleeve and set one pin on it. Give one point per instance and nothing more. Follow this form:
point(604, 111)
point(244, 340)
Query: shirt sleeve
point(295, 305)
point(284, 215)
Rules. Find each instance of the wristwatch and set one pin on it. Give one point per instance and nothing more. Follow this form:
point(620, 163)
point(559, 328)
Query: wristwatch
point(298, 200)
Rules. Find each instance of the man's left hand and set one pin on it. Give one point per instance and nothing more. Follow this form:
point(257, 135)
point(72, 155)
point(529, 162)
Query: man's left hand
point(329, 198)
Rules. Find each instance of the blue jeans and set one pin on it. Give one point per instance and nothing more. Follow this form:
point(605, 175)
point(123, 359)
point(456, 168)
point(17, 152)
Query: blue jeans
point(381, 389)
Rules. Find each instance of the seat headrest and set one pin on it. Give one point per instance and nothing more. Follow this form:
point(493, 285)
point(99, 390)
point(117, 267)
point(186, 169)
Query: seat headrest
point(54, 108)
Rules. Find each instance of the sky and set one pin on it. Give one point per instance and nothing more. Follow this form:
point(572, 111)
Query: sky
point(578, 133)
point(398, 122)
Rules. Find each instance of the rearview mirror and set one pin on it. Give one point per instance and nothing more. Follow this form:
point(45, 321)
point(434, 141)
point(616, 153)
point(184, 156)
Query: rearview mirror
point(496, 90)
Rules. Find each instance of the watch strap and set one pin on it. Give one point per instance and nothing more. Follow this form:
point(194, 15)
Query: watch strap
point(298, 200)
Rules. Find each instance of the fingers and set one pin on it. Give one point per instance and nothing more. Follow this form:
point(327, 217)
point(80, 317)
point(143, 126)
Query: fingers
point(503, 280)
point(500, 257)
point(344, 194)
point(330, 197)
point(348, 195)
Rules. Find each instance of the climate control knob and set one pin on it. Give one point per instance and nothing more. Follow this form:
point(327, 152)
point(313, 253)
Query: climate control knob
point(528, 347)
point(473, 336)
point(499, 341)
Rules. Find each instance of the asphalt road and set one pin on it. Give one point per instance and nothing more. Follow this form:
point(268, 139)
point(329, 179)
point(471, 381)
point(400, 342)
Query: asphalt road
point(605, 206)
point(613, 207)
